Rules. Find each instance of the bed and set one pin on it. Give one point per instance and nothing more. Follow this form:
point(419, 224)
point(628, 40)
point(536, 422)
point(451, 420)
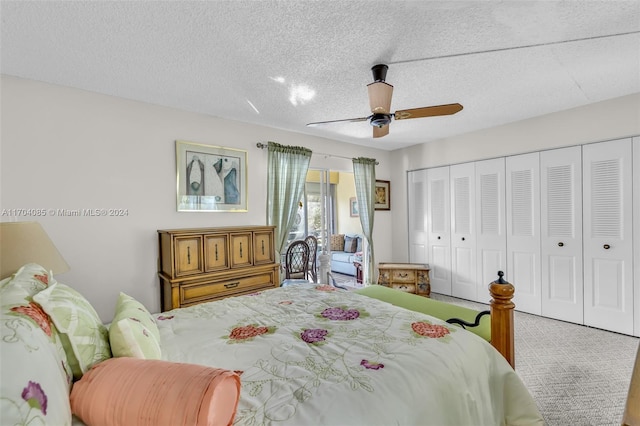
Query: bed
point(313, 354)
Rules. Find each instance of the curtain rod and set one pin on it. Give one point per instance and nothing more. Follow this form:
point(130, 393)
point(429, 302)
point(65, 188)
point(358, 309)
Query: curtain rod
point(264, 145)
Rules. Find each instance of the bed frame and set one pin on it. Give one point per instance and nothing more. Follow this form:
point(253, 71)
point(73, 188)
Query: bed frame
point(497, 328)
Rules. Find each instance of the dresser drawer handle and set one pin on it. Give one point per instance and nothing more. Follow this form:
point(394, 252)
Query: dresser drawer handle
point(232, 285)
point(403, 275)
point(188, 255)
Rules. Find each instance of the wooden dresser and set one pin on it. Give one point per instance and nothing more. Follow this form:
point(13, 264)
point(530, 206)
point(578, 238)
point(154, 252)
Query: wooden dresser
point(409, 277)
point(204, 264)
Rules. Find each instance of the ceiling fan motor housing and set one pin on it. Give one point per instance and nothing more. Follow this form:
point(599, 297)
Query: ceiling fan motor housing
point(380, 120)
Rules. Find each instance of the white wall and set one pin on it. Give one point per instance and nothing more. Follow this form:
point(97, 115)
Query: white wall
point(612, 119)
point(64, 148)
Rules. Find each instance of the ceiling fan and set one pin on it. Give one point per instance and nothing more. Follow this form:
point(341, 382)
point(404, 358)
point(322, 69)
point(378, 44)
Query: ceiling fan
point(380, 101)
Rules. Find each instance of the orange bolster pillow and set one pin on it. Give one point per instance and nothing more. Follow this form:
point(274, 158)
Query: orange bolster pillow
point(132, 391)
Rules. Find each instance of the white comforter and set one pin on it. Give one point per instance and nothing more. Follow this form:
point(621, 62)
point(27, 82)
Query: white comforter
point(312, 355)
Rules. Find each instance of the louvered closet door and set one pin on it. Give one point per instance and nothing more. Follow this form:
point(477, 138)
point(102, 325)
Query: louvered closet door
point(523, 230)
point(417, 202)
point(561, 229)
point(463, 234)
point(608, 270)
point(636, 234)
point(491, 238)
point(439, 230)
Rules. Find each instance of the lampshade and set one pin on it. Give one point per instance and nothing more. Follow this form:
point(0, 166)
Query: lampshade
point(27, 242)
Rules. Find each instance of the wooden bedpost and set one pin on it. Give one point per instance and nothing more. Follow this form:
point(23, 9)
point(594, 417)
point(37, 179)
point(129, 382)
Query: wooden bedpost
point(502, 318)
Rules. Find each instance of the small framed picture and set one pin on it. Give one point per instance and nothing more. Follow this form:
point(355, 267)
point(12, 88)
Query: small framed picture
point(383, 195)
point(210, 178)
point(353, 207)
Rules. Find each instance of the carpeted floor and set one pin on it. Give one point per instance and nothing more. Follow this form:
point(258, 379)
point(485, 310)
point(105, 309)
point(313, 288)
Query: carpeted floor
point(578, 375)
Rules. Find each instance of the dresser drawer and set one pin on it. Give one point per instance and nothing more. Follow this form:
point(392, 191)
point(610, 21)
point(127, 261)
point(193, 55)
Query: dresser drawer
point(409, 288)
point(197, 292)
point(188, 255)
point(404, 276)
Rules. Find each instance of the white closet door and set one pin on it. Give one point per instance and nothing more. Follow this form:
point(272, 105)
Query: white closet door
point(417, 196)
point(439, 230)
point(561, 230)
point(523, 230)
point(608, 257)
point(463, 234)
point(636, 234)
point(491, 237)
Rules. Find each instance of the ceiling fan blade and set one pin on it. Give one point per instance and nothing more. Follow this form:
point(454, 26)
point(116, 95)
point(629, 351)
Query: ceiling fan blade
point(379, 132)
point(352, 120)
point(380, 97)
point(431, 111)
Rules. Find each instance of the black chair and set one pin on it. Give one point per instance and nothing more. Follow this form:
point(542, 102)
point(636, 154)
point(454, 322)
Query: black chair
point(312, 242)
point(296, 261)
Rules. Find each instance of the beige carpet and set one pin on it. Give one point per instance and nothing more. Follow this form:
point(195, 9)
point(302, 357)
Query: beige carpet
point(578, 375)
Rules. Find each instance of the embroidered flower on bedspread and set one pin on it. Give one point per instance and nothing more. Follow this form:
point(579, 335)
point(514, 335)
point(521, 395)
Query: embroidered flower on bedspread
point(325, 287)
point(165, 317)
point(371, 365)
point(314, 335)
point(250, 331)
point(35, 397)
point(35, 312)
point(285, 302)
point(340, 314)
point(429, 330)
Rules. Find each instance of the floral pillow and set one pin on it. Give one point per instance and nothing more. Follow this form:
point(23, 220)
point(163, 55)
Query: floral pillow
point(337, 242)
point(134, 332)
point(84, 338)
point(36, 379)
point(31, 279)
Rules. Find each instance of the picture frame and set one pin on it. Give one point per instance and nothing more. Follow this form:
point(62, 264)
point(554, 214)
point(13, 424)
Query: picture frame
point(210, 178)
point(353, 207)
point(383, 195)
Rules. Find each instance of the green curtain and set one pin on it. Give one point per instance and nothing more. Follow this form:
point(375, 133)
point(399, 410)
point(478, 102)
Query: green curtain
point(364, 172)
point(286, 175)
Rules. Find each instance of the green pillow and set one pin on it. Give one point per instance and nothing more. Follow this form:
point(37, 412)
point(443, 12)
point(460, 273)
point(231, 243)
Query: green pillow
point(133, 332)
point(84, 338)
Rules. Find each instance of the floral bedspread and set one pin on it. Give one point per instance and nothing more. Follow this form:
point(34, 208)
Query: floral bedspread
point(312, 354)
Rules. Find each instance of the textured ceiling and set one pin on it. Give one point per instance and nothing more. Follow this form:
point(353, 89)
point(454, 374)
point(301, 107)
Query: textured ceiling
point(257, 61)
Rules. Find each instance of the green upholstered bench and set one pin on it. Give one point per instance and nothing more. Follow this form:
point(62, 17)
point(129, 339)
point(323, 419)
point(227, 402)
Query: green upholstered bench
point(442, 310)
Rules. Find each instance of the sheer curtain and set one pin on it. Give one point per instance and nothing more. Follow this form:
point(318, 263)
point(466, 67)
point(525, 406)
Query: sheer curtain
point(286, 175)
point(364, 172)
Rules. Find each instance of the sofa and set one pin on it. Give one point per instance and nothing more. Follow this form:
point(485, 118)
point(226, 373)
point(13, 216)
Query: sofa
point(345, 249)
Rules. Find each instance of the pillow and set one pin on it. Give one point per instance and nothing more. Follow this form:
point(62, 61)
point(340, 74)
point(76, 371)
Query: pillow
point(133, 331)
point(84, 338)
point(127, 391)
point(350, 244)
point(337, 242)
point(35, 386)
point(31, 278)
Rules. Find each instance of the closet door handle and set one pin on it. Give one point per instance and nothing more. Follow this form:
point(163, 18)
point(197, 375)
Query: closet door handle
point(560, 244)
point(606, 246)
point(438, 236)
point(462, 238)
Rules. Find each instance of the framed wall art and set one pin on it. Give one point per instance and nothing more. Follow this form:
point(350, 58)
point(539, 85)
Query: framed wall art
point(383, 195)
point(353, 207)
point(210, 178)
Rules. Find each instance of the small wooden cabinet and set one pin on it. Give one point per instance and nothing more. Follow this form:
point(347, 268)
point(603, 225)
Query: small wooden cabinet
point(408, 277)
point(204, 264)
